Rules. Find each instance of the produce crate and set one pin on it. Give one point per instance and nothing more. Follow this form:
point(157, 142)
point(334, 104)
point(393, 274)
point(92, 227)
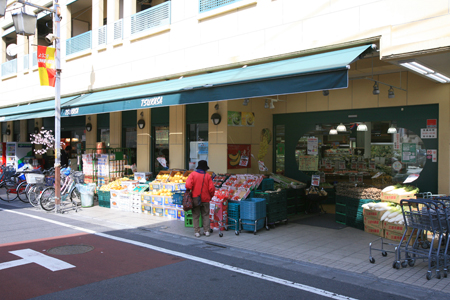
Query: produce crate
point(341, 208)
point(189, 221)
point(253, 209)
point(266, 184)
point(275, 217)
point(291, 210)
point(341, 218)
point(331, 196)
point(250, 224)
point(300, 208)
point(273, 197)
point(233, 212)
point(104, 199)
point(178, 198)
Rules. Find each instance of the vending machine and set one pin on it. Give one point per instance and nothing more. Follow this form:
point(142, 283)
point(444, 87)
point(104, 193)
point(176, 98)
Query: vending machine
point(18, 153)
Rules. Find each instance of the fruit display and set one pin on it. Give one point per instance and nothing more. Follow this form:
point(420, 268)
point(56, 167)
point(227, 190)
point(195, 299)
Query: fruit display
point(220, 179)
point(115, 185)
point(176, 177)
point(161, 192)
point(357, 192)
point(162, 177)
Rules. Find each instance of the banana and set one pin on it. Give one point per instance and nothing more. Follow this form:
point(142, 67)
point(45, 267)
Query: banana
point(236, 161)
point(233, 156)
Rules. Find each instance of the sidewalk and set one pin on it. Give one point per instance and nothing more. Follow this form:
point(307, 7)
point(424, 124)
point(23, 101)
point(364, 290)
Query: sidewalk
point(345, 249)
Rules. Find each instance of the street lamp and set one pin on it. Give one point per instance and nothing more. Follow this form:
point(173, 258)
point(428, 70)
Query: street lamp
point(23, 27)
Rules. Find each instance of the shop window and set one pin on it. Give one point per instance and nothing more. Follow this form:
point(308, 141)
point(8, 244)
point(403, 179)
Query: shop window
point(372, 156)
point(161, 147)
point(198, 143)
point(103, 136)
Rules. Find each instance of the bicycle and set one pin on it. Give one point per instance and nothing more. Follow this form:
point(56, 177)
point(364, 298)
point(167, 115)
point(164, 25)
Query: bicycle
point(37, 183)
point(11, 185)
point(69, 192)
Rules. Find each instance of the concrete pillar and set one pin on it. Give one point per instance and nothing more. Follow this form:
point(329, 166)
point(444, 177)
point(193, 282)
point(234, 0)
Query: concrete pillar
point(217, 140)
point(177, 137)
point(91, 136)
point(23, 131)
point(144, 143)
point(112, 16)
point(10, 126)
point(115, 125)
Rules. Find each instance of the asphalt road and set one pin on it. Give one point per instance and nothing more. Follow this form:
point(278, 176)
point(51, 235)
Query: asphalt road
point(145, 264)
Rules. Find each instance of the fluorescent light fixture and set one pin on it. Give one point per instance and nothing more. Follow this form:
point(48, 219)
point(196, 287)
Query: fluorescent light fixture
point(333, 131)
point(361, 127)
point(392, 129)
point(376, 89)
point(341, 128)
point(423, 70)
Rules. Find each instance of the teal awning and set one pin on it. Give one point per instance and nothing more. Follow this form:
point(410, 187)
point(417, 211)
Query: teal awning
point(325, 71)
point(317, 72)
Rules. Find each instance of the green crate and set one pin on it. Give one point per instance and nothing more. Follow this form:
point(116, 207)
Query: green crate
point(277, 217)
point(341, 218)
point(341, 208)
point(104, 199)
point(189, 221)
point(274, 197)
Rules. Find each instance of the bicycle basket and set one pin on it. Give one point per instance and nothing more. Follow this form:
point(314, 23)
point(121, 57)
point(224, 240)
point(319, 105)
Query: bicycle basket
point(78, 177)
point(35, 178)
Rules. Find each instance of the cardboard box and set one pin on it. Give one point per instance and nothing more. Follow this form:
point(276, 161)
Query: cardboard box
point(396, 228)
point(374, 230)
point(374, 214)
point(142, 177)
point(396, 198)
point(377, 223)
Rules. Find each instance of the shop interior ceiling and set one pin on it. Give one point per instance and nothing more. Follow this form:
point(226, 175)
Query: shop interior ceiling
point(372, 65)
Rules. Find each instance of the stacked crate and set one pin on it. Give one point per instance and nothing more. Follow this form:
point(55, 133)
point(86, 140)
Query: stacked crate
point(189, 220)
point(296, 201)
point(233, 213)
point(253, 214)
point(349, 211)
point(276, 206)
point(267, 184)
point(104, 199)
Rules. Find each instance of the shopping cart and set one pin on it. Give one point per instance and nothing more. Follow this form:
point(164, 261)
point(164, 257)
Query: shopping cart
point(422, 216)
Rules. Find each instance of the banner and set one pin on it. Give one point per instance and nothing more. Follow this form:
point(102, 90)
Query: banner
point(239, 156)
point(46, 65)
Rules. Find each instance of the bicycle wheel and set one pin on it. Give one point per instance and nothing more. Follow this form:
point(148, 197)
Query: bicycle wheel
point(8, 191)
point(33, 194)
point(21, 192)
point(47, 199)
point(75, 197)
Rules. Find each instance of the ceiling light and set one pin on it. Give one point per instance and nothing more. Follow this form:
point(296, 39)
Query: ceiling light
point(271, 104)
point(361, 127)
point(341, 128)
point(333, 131)
point(245, 103)
point(423, 70)
point(391, 93)
point(325, 92)
point(266, 104)
point(392, 129)
point(376, 90)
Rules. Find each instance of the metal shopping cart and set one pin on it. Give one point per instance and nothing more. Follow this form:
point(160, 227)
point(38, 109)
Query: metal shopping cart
point(424, 215)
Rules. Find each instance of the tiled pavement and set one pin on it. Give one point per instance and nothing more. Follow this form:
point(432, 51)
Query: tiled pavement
point(344, 249)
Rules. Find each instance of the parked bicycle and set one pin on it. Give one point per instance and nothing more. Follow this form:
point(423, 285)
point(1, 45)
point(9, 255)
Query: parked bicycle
point(69, 192)
point(12, 185)
point(36, 183)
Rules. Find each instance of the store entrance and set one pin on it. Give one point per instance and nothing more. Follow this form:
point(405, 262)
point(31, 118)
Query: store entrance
point(160, 148)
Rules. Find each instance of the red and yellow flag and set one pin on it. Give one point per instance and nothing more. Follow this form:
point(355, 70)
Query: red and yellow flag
point(46, 65)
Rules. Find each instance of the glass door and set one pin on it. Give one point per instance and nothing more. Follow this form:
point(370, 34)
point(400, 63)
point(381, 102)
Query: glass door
point(160, 148)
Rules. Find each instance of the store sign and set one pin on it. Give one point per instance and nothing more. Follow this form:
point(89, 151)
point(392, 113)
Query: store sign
point(71, 111)
point(315, 181)
point(152, 101)
point(432, 123)
point(428, 133)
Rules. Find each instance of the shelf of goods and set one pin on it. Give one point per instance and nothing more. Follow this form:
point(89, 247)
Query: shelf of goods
point(103, 168)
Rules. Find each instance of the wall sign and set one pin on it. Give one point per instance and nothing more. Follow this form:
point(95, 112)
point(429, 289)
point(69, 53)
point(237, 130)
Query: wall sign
point(428, 133)
point(239, 156)
point(409, 153)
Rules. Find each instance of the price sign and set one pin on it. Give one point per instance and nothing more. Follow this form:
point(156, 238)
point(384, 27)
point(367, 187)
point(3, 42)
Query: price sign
point(352, 178)
point(360, 179)
point(315, 180)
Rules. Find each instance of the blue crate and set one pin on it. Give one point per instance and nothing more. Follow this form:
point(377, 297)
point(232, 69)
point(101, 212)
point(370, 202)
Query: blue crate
point(253, 209)
point(250, 224)
point(178, 198)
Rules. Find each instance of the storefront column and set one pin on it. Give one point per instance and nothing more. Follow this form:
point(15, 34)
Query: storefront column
point(218, 147)
point(91, 136)
point(144, 142)
point(115, 125)
point(10, 126)
point(23, 131)
point(177, 137)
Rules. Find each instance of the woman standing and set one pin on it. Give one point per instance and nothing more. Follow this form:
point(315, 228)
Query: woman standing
point(201, 185)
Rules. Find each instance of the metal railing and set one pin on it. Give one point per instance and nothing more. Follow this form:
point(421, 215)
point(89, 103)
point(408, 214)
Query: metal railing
point(150, 18)
point(102, 37)
point(26, 61)
point(206, 5)
point(118, 29)
point(79, 43)
point(35, 63)
point(9, 67)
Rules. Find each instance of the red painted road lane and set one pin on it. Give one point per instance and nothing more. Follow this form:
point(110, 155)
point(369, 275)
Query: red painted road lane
point(108, 259)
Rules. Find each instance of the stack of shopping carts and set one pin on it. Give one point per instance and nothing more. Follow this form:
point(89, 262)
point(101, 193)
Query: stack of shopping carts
point(425, 217)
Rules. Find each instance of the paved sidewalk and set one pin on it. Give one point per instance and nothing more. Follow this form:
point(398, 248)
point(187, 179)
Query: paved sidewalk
point(343, 249)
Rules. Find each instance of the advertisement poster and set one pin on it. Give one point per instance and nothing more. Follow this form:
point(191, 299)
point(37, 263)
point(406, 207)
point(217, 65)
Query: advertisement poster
point(239, 156)
point(315, 181)
point(409, 153)
point(313, 146)
point(308, 163)
point(238, 118)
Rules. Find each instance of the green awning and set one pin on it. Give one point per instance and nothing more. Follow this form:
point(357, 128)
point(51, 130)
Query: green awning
point(32, 111)
point(325, 71)
point(317, 72)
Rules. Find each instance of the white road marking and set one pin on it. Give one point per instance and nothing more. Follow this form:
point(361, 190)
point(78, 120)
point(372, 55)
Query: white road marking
point(284, 282)
point(30, 256)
